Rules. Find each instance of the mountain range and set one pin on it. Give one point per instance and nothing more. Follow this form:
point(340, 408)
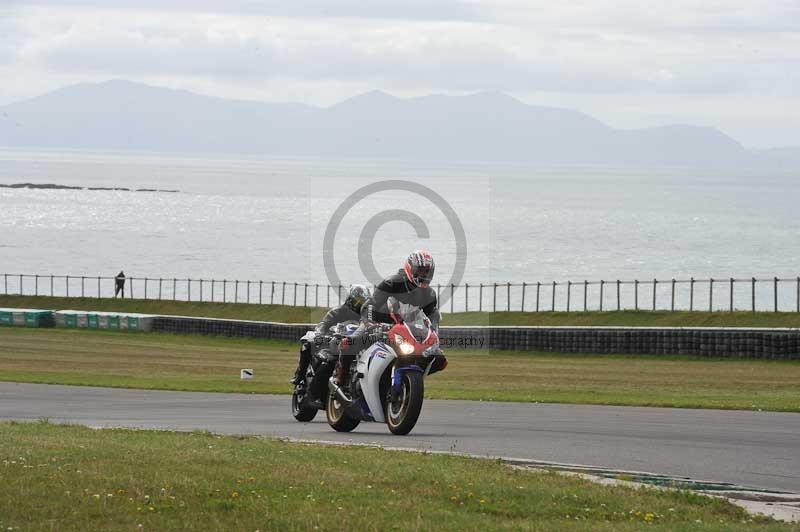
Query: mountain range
point(487, 127)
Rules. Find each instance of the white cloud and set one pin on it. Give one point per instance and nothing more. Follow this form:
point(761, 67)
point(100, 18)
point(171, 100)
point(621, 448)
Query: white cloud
point(318, 52)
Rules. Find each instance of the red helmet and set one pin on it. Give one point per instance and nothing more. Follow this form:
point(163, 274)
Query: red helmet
point(419, 268)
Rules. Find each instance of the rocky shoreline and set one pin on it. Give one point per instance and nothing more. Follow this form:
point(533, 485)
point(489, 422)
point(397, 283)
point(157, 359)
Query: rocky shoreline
point(53, 186)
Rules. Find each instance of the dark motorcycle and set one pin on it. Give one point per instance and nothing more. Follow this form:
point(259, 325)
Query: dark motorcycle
point(311, 396)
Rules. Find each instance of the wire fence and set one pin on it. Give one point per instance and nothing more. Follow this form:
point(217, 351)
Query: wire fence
point(709, 294)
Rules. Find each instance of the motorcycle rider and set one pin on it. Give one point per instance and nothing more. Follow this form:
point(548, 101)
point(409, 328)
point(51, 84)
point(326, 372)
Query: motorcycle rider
point(410, 285)
point(350, 310)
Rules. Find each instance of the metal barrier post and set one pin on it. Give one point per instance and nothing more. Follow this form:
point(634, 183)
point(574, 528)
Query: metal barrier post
point(494, 298)
point(452, 296)
point(66, 283)
point(283, 293)
point(798, 294)
point(569, 289)
point(553, 301)
point(236, 291)
point(328, 295)
point(316, 295)
point(5, 281)
point(711, 294)
point(248, 291)
point(466, 297)
point(36, 285)
point(160, 281)
point(508, 297)
point(305, 295)
point(538, 289)
point(775, 292)
point(145, 288)
point(602, 284)
point(174, 288)
point(585, 294)
point(188, 289)
point(480, 295)
point(753, 293)
point(691, 294)
point(213, 282)
point(731, 294)
point(655, 282)
point(224, 290)
point(636, 294)
point(522, 306)
point(617, 294)
point(294, 303)
point(98, 288)
point(260, 289)
point(272, 294)
point(51, 285)
point(672, 297)
point(201, 289)
point(83, 286)
point(20, 284)
point(340, 294)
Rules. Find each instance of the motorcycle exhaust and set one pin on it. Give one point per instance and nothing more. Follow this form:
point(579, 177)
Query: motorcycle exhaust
point(339, 393)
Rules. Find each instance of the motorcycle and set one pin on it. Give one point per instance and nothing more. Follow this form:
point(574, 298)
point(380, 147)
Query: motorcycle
point(311, 396)
point(386, 381)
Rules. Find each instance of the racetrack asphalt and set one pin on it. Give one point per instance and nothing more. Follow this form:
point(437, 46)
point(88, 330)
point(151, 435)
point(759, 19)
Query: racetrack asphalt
point(753, 449)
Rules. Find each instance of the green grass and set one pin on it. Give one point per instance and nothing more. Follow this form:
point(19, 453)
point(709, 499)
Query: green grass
point(71, 478)
point(199, 363)
point(290, 314)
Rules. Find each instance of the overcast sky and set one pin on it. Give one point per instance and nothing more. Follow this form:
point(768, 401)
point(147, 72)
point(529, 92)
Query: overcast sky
point(731, 64)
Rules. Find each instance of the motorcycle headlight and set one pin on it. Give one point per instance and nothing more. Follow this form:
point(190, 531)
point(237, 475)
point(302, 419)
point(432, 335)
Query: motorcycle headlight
point(403, 345)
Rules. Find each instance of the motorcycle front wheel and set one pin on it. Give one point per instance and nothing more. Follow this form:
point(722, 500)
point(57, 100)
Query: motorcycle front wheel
point(338, 418)
point(402, 414)
point(301, 413)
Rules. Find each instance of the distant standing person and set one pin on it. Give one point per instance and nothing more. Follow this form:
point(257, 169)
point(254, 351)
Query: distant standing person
point(119, 285)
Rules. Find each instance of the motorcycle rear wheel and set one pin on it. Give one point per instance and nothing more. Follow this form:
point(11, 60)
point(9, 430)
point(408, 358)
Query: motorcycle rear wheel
point(338, 418)
point(402, 415)
point(302, 413)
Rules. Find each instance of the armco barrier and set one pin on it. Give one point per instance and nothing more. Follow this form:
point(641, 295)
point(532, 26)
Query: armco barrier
point(712, 342)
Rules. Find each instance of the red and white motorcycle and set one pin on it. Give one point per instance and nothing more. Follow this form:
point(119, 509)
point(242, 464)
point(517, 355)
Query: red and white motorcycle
point(386, 381)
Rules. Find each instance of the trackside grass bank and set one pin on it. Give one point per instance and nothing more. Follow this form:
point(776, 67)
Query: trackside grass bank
point(71, 478)
point(290, 314)
point(199, 363)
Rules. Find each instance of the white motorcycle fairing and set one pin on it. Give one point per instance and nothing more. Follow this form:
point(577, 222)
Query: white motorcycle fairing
point(371, 365)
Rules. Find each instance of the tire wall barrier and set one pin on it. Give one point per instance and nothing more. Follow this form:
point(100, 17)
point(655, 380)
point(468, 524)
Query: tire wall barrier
point(711, 342)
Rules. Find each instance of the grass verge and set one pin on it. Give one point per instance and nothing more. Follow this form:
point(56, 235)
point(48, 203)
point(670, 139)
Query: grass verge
point(74, 478)
point(290, 314)
point(198, 363)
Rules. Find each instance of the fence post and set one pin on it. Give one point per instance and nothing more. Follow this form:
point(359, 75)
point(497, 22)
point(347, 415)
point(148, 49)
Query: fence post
point(83, 287)
point(236, 291)
point(145, 287)
point(5, 284)
point(188, 289)
point(569, 289)
point(131, 288)
point(452, 296)
point(272, 293)
point(316, 295)
point(36, 285)
point(691, 294)
point(494, 298)
point(798, 294)
point(260, 291)
point(305, 294)
point(201, 289)
point(248, 291)
point(66, 283)
point(98, 288)
point(213, 282)
point(160, 280)
point(51, 285)
point(508, 297)
point(174, 288)
point(731, 294)
point(328, 295)
point(672, 297)
point(480, 295)
point(636, 294)
point(522, 306)
point(602, 284)
point(753, 293)
point(294, 304)
point(618, 305)
point(20, 284)
point(538, 289)
point(711, 294)
point(283, 293)
point(224, 290)
point(339, 292)
point(775, 292)
point(466, 297)
point(585, 294)
point(655, 282)
point(553, 302)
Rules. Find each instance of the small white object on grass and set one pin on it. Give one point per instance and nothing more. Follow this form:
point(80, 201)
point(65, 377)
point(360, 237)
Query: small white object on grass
point(247, 374)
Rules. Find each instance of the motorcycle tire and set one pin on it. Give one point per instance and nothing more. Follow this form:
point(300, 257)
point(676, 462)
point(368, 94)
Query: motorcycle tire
point(402, 415)
point(338, 418)
point(302, 413)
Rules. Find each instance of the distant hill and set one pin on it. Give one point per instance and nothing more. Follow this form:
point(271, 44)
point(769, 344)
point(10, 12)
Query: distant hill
point(489, 126)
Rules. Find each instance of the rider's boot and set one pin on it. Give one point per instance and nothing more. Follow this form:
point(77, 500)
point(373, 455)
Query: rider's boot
point(302, 365)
